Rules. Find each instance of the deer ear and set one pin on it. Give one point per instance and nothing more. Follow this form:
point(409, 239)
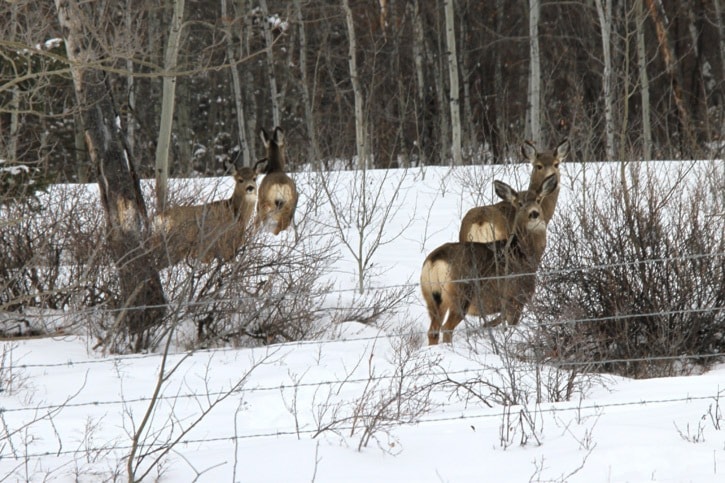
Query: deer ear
point(230, 167)
point(278, 136)
point(504, 191)
point(264, 136)
point(261, 166)
point(528, 151)
point(548, 186)
point(562, 150)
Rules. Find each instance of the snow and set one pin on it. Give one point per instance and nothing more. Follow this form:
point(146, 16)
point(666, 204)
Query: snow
point(67, 412)
point(14, 170)
point(50, 44)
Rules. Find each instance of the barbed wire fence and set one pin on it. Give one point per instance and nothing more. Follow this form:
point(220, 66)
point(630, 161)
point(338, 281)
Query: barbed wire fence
point(575, 364)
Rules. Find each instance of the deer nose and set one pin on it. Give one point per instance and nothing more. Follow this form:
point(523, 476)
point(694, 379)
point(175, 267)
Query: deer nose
point(250, 189)
point(534, 215)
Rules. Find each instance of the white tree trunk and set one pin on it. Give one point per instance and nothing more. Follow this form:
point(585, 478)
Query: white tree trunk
point(468, 134)
point(721, 28)
point(237, 86)
point(499, 100)
point(167, 105)
point(604, 11)
point(455, 102)
point(360, 137)
point(118, 184)
point(314, 151)
point(534, 87)
point(12, 145)
point(247, 84)
point(640, 17)
point(269, 41)
point(130, 91)
point(418, 52)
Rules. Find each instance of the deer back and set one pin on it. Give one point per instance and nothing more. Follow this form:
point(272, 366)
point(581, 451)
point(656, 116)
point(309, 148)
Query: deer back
point(206, 231)
point(486, 278)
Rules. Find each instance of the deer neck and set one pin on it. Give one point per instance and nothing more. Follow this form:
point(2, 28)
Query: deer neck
point(275, 162)
point(526, 246)
point(548, 204)
point(238, 201)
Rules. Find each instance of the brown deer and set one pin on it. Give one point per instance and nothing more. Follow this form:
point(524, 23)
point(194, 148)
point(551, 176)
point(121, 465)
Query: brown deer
point(487, 278)
point(494, 222)
point(277, 200)
point(208, 231)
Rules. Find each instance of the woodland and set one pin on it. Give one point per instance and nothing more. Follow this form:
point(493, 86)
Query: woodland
point(393, 82)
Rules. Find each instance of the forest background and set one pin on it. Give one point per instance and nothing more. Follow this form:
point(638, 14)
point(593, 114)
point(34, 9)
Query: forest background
point(393, 82)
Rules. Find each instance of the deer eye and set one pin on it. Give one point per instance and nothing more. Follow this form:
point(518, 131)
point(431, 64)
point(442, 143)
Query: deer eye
point(539, 167)
point(556, 165)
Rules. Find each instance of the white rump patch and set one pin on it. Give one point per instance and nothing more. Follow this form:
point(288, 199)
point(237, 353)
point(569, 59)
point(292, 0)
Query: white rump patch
point(486, 232)
point(436, 275)
point(280, 192)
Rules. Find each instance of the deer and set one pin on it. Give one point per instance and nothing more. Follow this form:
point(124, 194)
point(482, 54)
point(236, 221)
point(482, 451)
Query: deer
point(207, 231)
point(493, 222)
point(473, 278)
point(277, 197)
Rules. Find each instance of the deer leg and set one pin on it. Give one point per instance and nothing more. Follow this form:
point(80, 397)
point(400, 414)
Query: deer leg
point(435, 325)
point(513, 313)
point(454, 318)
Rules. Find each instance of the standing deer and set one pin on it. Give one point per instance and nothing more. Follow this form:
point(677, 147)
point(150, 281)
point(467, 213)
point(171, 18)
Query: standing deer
point(487, 278)
point(277, 192)
point(494, 222)
point(208, 231)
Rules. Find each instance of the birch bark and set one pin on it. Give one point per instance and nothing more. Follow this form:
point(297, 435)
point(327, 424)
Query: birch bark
point(360, 129)
point(120, 192)
point(454, 90)
point(168, 98)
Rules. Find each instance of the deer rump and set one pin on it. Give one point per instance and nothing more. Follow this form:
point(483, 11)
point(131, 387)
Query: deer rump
point(277, 202)
point(451, 275)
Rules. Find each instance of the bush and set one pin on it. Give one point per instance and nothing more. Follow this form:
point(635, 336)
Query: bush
point(52, 255)
point(648, 298)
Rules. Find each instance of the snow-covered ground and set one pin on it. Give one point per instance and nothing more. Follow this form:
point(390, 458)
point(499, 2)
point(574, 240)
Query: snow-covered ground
point(363, 404)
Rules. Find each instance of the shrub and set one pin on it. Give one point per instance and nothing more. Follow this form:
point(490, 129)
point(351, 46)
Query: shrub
point(634, 278)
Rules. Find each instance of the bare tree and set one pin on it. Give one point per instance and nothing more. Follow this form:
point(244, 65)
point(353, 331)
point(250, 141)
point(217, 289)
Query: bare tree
point(237, 84)
point(121, 197)
point(604, 12)
point(657, 13)
point(363, 222)
point(167, 104)
point(418, 58)
point(12, 143)
point(130, 88)
point(314, 153)
point(360, 122)
point(721, 30)
point(271, 76)
point(640, 17)
point(533, 128)
point(455, 102)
